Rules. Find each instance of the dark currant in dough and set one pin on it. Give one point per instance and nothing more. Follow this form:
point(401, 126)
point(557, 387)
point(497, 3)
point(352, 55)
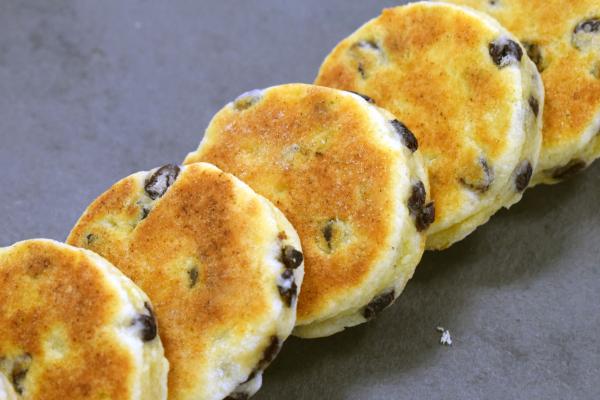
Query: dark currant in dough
point(408, 138)
point(160, 181)
point(378, 304)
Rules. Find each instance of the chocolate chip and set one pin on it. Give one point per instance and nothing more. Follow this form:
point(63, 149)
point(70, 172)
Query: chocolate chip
point(288, 289)
point(193, 276)
point(145, 212)
point(567, 171)
point(426, 217)
point(148, 322)
point(505, 52)
point(524, 172)
point(484, 184)
point(534, 51)
point(408, 138)
point(269, 355)
point(378, 304)
point(160, 181)
point(417, 198)
point(364, 96)
point(291, 257)
point(535, 105)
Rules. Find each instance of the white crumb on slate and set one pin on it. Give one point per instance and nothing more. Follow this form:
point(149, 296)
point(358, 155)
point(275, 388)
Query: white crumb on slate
point(446, 339)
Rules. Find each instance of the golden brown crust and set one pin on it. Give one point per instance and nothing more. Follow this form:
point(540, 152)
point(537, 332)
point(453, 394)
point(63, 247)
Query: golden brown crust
point(203, 224)
point(40, 284)
point(431, 67)
point(312, 152)
point(572, 88)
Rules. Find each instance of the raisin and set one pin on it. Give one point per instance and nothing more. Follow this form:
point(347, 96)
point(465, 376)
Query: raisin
point(91, 238)
point(408, 138)
point(505, 52)
point(588, 26)
point(149, 330)
point(378, 304)
point(584, 32)
point(534, 52)
point(362, 51)
point(19, 372)
point(193, 276)
point(361, 71)
point(269, 355)
point(334, 233)
point(367, 44)
point(328, 232)
point(488, 178)
point(291, 257)
point(426, 217)
point(535, 105)
point(417, 198)
point(424, 214)
point(160, 181)
point(524, 172)
point(18, 378)
point(288, 289)
point(567, 171)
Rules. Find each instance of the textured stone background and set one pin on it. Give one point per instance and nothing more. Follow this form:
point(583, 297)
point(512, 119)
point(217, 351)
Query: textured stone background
point(92, 91)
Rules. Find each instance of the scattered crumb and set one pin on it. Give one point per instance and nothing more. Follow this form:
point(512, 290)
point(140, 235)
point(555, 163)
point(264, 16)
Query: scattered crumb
point(446, 339)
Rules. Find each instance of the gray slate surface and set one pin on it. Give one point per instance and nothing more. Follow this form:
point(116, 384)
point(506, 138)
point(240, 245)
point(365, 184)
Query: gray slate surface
point(92, 91)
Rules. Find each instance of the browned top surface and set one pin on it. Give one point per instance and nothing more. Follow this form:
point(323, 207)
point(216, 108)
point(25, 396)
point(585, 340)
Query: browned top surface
point(202, 221)
point(311, 151)
point(55, 305)
point(572, 89)
point(433, 71)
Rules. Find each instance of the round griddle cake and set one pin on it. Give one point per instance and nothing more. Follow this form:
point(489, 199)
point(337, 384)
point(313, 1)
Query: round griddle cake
point(463, 85)
point(563, 38)
point(222, 266)
point(347, 176)
point(73, 327)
